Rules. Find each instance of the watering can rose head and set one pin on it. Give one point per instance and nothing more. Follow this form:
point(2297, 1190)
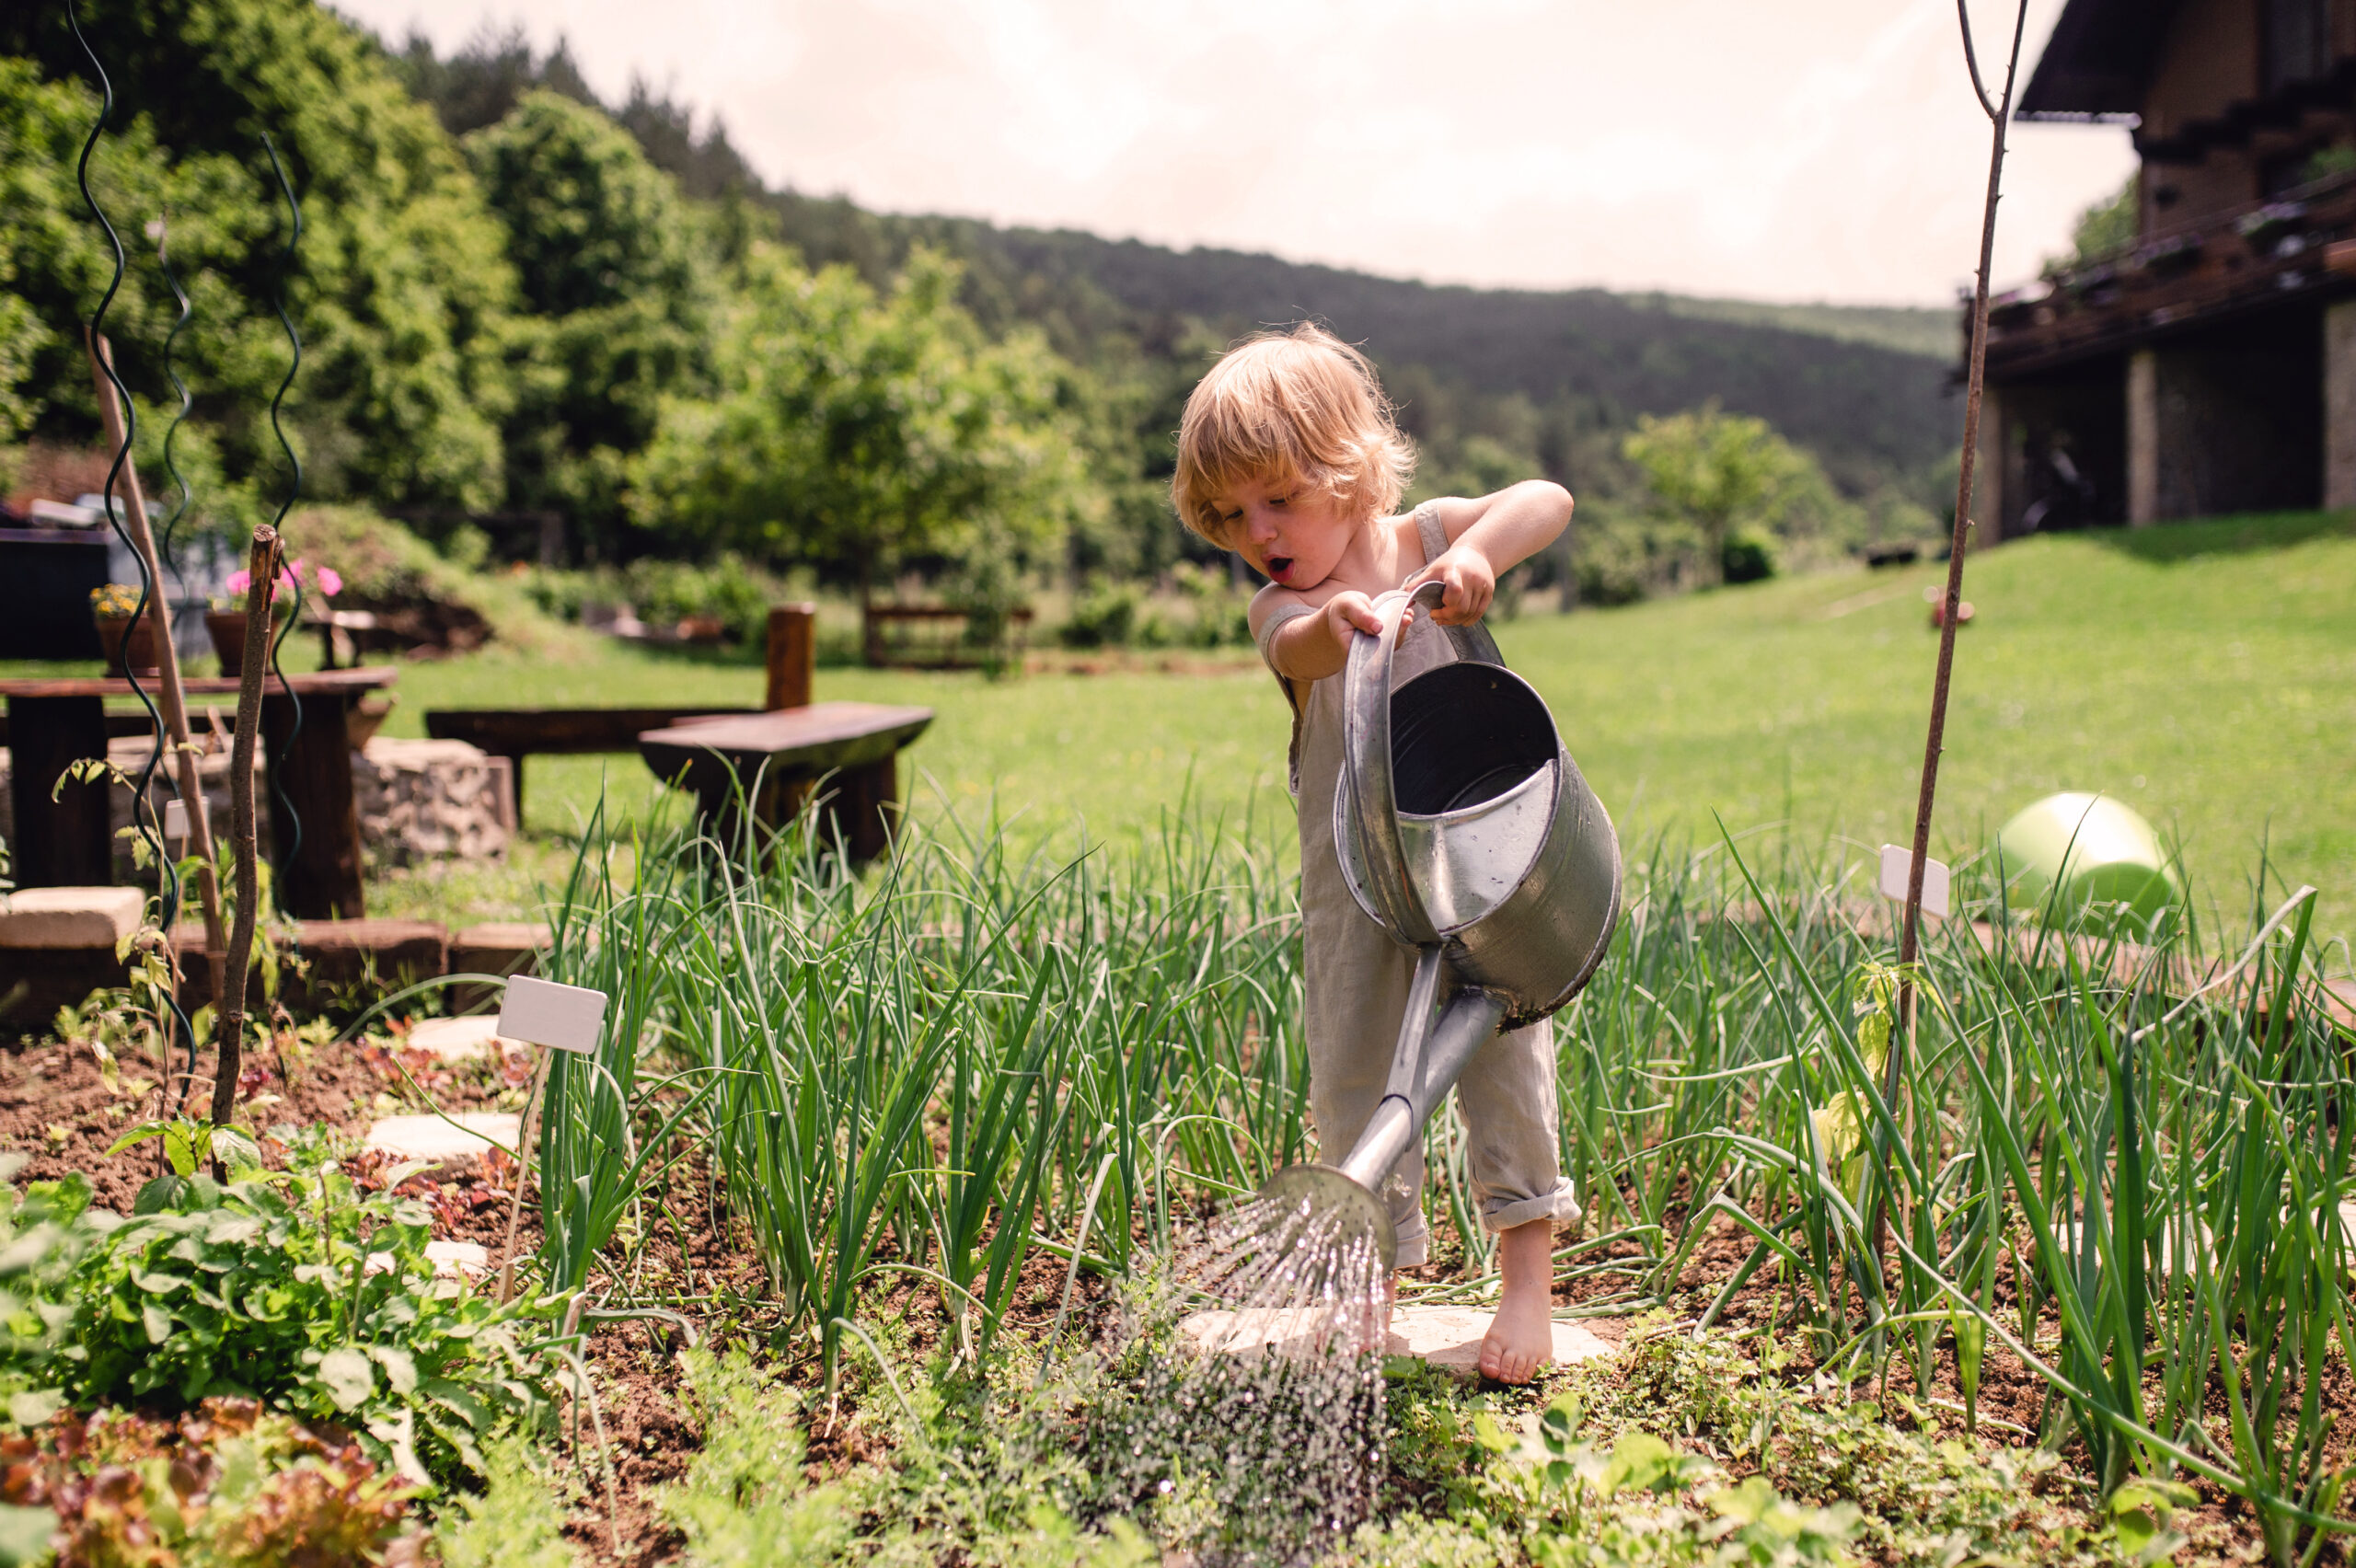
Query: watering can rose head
point(324, 580)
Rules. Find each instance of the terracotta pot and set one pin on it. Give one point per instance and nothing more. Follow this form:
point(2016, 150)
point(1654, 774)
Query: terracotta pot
point(133, 645)
point(228, 630)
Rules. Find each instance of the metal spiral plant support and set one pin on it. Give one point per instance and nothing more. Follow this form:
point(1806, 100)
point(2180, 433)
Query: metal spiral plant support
point(285, 802)
point(179, 415)
point(143, 813)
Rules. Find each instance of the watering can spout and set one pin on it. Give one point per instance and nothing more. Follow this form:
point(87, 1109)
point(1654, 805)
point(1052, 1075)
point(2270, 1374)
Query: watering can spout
point(1430, 1058)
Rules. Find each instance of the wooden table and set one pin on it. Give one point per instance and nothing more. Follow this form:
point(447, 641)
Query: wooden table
point(771, 761)
point(53, 724)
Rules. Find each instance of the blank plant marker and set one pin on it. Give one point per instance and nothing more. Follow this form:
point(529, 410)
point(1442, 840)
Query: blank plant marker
point(542, 1012)
point(1896, 862)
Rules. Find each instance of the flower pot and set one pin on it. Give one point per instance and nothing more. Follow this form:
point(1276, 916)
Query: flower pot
point(228, 631)
point(134, 646)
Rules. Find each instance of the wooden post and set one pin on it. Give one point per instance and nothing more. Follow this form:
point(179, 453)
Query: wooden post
point(67, 841)
point(167, 659)
point(261, 565)
point(793, 655)
point(319, 877)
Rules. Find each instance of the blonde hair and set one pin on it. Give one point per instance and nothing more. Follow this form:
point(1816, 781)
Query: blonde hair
point(1300, 409)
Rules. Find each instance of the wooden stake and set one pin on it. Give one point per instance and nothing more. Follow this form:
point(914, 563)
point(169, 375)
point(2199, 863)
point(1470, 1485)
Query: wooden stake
point(173, 701)
point(261, 567)
point(1910, 925)
point(792, 655)
point(523, 1172)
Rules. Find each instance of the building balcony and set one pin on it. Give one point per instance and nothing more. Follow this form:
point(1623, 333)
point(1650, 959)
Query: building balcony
point(2300, 247)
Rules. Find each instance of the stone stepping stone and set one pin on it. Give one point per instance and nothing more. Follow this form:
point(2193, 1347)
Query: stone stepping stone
point(451, 1260)
point(435, 1141)
point(1446, 1337)
point(461, 1039)
point(1450, 1337)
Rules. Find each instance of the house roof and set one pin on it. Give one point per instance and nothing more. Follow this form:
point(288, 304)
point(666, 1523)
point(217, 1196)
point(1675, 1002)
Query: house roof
point(2098, 60)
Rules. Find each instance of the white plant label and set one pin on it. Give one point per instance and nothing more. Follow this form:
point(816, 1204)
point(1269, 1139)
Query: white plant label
point(175, 819)
point(542, 1012)
point(1897, 863)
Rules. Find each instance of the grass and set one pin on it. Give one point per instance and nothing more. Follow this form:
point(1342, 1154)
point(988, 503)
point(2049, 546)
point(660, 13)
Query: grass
point(2203, 673)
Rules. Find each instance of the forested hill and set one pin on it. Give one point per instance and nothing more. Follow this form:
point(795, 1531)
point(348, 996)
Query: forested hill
point(1619, 355)
point(1865, 388)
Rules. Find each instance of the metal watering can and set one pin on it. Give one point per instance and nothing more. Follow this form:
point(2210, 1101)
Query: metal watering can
point(1467, 831)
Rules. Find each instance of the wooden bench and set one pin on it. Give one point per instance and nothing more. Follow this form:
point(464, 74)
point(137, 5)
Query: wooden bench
point(770, 762)
point(932, 637)
point(518, 733)
point(789, 745)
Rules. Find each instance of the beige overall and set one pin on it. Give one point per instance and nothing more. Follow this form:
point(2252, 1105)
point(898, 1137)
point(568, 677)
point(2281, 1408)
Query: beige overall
point(1356, 979)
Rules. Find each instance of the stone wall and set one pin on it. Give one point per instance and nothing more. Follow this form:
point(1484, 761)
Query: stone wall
point(432, 800)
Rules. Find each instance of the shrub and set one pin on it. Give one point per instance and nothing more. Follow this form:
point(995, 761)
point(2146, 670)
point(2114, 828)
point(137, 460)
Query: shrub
point(1749, 556)
point(745, 1501)
point(1106, 618)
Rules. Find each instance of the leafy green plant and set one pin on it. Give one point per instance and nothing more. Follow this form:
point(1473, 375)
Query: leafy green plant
point(295, 1288)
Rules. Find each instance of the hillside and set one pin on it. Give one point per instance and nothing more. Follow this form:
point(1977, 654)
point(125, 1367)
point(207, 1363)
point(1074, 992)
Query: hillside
point(1615, 355)
point(1864, 387)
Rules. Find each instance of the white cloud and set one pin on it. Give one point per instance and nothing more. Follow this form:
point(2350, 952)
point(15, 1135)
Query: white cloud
point(1823, 150)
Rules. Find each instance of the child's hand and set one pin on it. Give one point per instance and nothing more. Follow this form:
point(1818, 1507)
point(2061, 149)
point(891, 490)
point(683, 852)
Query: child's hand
point(1469, 583)
point(1350, 611)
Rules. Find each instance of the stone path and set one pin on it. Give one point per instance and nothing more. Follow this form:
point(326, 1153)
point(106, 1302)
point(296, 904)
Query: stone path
point(433, 1139)
point(1446, 1337)
point(455, 1039)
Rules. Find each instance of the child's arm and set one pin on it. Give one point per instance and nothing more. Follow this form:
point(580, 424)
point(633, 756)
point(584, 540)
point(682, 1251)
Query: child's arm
point(1311, 647)
point(1487, 538)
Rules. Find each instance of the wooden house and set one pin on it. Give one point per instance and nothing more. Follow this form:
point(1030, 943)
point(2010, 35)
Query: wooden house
point(2210, 365)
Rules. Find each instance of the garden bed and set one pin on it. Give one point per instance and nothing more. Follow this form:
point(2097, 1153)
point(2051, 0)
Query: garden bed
point(872, 1132)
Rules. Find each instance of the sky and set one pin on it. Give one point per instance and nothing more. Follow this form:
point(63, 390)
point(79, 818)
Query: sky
point(1803, 150)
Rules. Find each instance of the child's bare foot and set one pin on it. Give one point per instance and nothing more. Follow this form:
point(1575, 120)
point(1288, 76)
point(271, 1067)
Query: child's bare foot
point(1522, 1336)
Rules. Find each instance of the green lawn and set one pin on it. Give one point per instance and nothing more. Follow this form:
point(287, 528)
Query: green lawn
point(2204, 672)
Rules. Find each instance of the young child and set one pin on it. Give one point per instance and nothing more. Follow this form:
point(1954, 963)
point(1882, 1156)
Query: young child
point(1288, 454)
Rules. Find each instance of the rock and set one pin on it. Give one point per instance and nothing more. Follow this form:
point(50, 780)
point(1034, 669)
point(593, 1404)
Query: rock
point(451, 1260)
point(433, 1139)
point(1446, 1337)
point(57, 945)
point(456, 1259)
point(1450, 1337)
point(458, 1039)
point(70, 918)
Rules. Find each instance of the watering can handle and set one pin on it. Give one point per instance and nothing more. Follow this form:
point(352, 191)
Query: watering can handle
point(1365, 755)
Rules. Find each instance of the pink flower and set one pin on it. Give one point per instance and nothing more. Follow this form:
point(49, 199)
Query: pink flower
point(326, 578)
point(239, 580)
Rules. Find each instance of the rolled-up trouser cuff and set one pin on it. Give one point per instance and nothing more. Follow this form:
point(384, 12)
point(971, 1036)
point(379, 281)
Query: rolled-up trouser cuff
point(1414, 1250)
point(1506, 1214)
